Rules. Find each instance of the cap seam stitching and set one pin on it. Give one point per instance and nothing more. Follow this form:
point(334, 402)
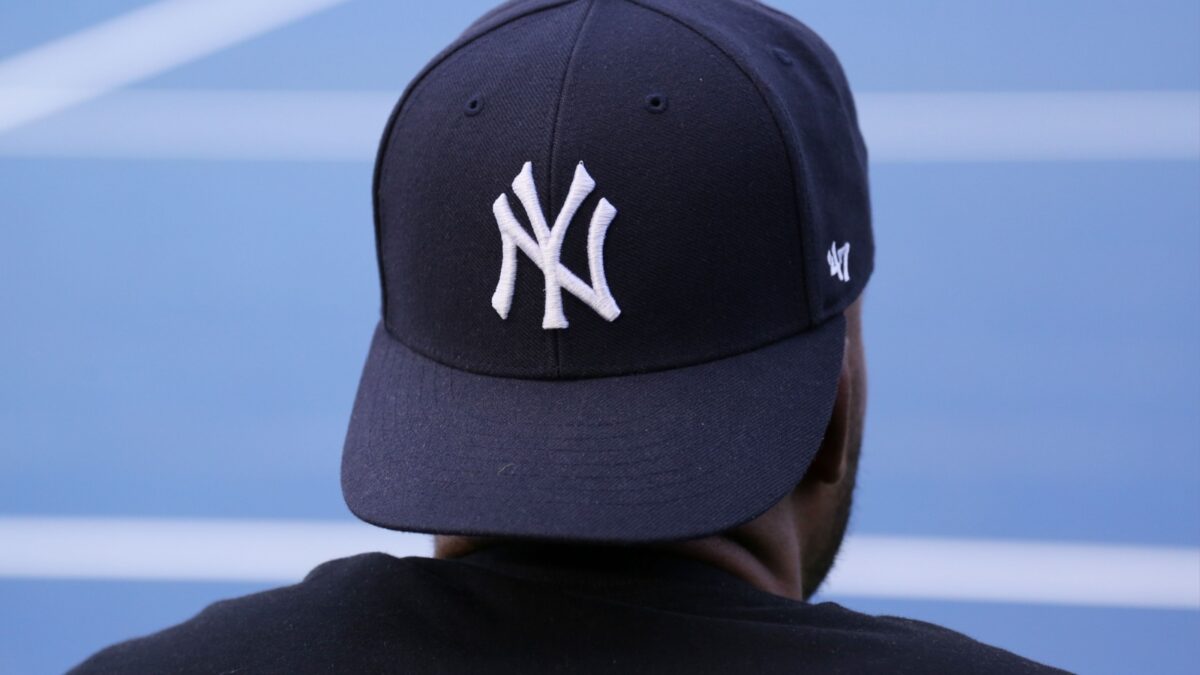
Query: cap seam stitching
point(551, 152)
point(442, 358)
point(379, 174)
point(798, 185)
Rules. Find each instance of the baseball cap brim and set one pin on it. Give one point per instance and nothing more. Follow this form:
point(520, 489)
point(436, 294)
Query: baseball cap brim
point(665, 455)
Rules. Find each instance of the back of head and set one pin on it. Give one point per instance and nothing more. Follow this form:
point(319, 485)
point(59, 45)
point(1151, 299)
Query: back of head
point(617, 242)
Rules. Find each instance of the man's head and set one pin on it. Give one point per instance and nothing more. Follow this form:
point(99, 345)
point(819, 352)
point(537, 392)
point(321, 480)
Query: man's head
point(619, 242)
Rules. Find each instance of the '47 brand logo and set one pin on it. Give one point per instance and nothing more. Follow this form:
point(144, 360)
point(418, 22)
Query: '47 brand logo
point(838, 258)
point(546, 250)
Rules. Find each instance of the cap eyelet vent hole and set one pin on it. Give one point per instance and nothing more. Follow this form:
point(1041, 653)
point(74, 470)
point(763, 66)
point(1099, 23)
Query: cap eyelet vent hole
point(781, 54)
point(656, 103)
point(473, 106)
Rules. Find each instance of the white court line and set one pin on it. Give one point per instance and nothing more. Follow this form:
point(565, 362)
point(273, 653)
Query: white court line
point(281, 551)
point(132, 47)
point(1032, 126)
point(212, 125)
point(345, 126)
point(1056, 573)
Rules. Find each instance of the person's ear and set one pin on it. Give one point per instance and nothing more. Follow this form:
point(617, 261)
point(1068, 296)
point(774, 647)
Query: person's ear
point(832, 460)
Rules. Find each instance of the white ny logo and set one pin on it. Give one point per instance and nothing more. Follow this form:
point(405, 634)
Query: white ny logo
point(839, 261)
point(546, 250)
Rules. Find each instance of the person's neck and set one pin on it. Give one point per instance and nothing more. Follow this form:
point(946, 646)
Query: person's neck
point(764, 552)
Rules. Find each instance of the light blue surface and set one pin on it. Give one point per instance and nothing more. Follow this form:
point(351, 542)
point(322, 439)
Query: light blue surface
point(183, 338)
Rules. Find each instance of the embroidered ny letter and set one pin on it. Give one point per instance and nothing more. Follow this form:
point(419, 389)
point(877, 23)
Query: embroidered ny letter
point(546, 250)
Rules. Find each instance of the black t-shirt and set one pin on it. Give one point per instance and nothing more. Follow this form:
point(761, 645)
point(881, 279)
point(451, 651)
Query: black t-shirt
point(524, 609)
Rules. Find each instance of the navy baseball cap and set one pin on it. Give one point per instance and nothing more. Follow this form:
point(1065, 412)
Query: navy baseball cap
point(616, 240)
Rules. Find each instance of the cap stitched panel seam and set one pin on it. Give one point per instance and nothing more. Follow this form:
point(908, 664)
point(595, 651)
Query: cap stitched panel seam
point(723, 352)
point(799, 185)
point(379, 174)
point(556, 335)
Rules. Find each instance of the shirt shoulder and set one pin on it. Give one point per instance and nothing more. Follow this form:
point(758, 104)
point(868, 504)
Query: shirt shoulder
point(376, 613)
point(305, 627)
point(899, 645)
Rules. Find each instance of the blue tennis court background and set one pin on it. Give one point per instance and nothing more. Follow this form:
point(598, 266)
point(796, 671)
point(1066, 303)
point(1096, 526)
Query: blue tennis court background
point(182, 338)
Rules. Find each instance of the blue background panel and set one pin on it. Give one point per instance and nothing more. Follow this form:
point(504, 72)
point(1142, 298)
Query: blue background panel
point(182, 338)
